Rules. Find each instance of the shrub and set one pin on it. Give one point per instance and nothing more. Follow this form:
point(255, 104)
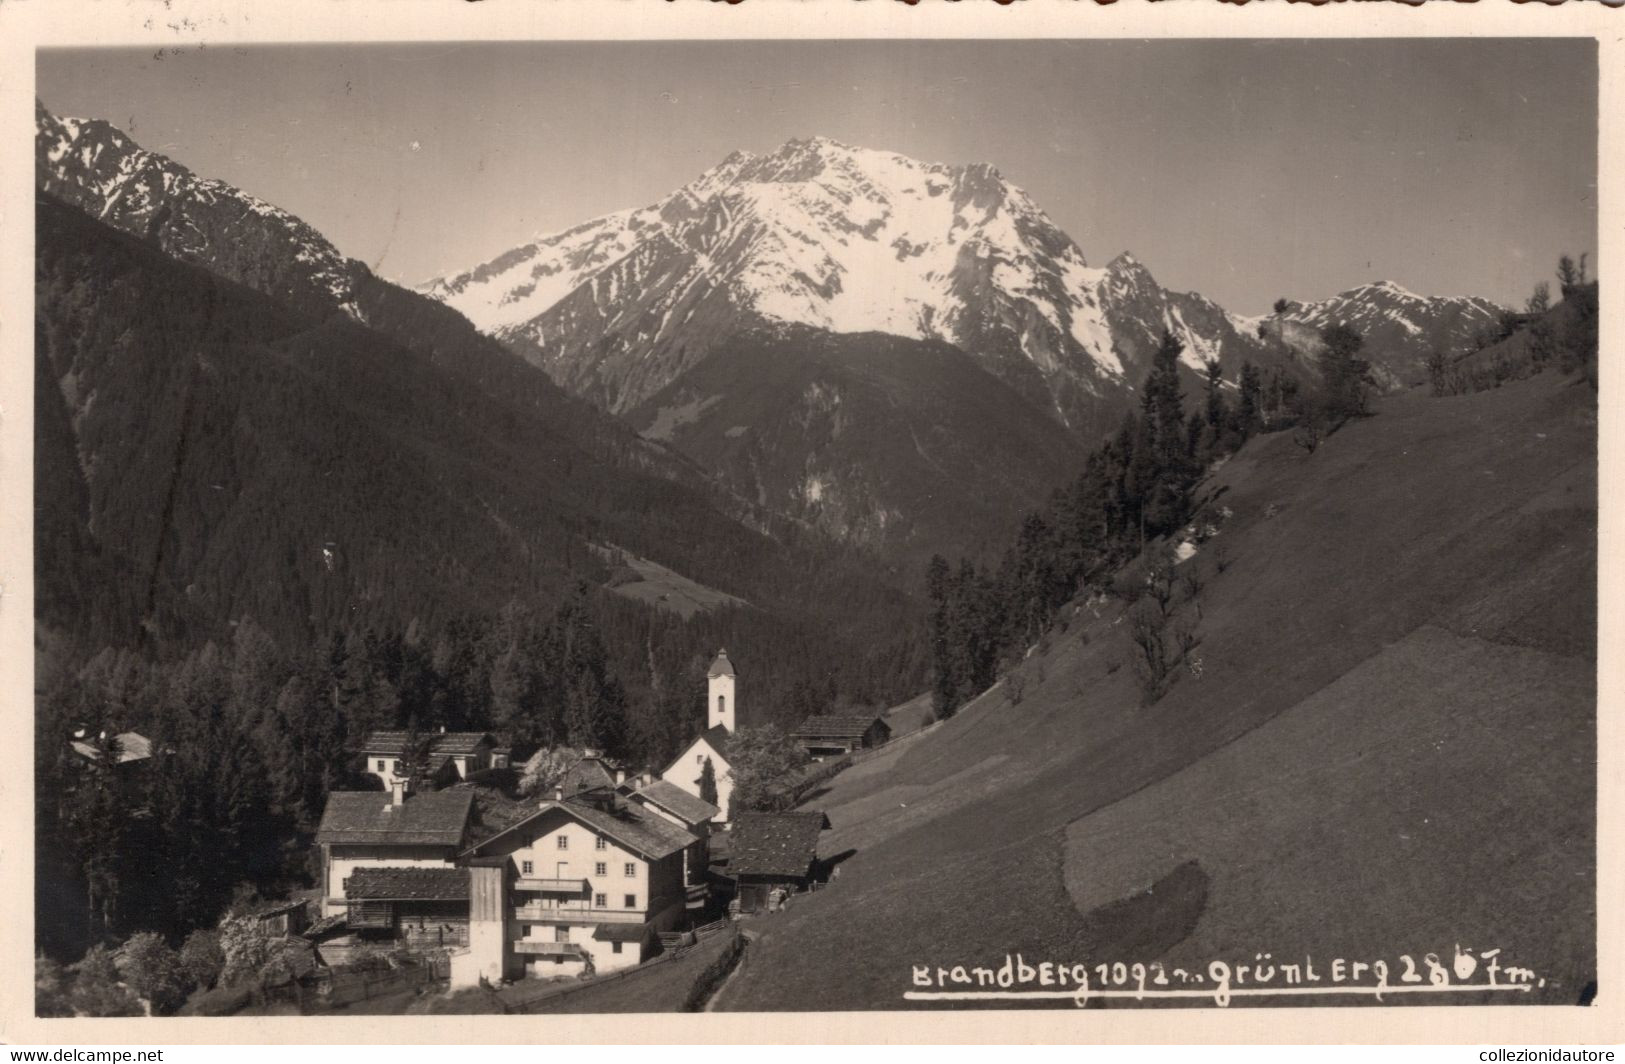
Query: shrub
point(155, 972)
point(202, 958)
point(246, 945)
point(51, 987)
point(96, 989)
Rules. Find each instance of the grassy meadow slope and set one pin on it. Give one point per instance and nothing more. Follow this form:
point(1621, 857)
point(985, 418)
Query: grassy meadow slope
point(1390, 748)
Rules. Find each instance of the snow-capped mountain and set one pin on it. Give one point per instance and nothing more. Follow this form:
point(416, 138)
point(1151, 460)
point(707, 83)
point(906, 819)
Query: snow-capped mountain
point(848, 240)
point(1400, 328)
point(94, 166)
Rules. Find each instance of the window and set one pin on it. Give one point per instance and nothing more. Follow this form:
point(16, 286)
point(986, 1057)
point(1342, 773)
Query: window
point(631, 901)
point(397, 766)
point(561, 934)
point(564, 842)
point(615, 947)
point(631, 869)
point(526, 868)
point(600, 844)
point(380, 764)
point(600, 901)
point(722, 704)
point(699, 759)
point(600, 869)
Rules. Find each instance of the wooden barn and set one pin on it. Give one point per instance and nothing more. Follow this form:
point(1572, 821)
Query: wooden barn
point(829, 735)
point(773, 855)
point(419, 908)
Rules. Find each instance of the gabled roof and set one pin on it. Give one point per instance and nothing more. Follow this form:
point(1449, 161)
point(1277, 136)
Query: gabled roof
point(441, 744)
point(627, 823)
point(722, 666)
point(679, 803)
point(407, 884)
point(586, 774)
point(717, 736)
point(438, 818)
point(774, 844)
point(831, 726)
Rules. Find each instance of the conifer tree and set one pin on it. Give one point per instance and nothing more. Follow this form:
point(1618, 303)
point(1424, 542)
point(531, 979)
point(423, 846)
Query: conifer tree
point(708, 782)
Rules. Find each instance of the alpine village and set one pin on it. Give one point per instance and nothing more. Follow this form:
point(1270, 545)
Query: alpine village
point(651, 619)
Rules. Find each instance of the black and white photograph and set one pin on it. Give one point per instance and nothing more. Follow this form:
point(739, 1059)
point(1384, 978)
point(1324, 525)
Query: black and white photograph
point(533, 527)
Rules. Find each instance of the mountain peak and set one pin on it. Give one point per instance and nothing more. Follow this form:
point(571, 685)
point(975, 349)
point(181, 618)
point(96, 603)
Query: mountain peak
point(94, 166)
point(1391, 288)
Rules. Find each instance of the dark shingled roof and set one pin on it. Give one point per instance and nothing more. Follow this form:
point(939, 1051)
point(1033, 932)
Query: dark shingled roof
point(829, 726)
point(407, 884)
point(678, 802)
point(441, 744)
point(438, 818)
point(626, 822)
point(774, 844)
point(584, 775)
point(722, 666)
point(719, 738)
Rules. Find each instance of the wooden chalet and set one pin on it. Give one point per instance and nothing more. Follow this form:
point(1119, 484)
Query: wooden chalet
point(772, 855)
point(419, 908)
point(366, 829)
point(830, 735)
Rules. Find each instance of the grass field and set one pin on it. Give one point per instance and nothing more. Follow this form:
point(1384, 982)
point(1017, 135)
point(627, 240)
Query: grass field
point(654, 584)
point(1390, 748)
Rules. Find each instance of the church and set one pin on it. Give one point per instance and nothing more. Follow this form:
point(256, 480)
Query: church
point(687, 769)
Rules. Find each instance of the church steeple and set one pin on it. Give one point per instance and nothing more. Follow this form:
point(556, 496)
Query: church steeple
point(723, 709)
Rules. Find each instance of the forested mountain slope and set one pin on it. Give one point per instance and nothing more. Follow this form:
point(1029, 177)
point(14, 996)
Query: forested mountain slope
point(241, 459)
point(1391, 688)
point(905, 447)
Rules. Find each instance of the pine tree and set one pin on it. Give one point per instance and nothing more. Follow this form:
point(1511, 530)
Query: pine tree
point(1345, 377)
point(1248, 404)
point(1214, 404)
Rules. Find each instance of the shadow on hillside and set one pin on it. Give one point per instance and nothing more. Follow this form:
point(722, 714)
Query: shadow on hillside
point(1147, 925)
point(824, 871)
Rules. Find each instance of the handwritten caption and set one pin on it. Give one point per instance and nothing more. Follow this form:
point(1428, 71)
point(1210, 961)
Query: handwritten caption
point(1222, 981)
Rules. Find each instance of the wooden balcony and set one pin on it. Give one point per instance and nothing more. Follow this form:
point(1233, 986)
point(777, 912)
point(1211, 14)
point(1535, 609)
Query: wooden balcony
point(577, 914)
point(551, 886)
point(539, 948)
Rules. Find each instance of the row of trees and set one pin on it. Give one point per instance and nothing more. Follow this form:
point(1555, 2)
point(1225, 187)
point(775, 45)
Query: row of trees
point(1135, 489)
point(1561, 335)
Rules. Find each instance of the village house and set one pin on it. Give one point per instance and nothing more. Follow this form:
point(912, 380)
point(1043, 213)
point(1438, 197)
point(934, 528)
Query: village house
point(585, 883)
point(694, 816)
point(687, 769)
point(773, 855)
point(829, 735)
point(591, 772)
point(447, 755)
point(414, 908)
point(370, 830)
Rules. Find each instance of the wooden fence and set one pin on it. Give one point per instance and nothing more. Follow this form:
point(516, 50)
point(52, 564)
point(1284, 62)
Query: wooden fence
point(346, 988)
point(825, 771)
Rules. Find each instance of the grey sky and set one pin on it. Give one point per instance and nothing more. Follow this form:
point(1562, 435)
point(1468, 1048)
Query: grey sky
point(1244, 170)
